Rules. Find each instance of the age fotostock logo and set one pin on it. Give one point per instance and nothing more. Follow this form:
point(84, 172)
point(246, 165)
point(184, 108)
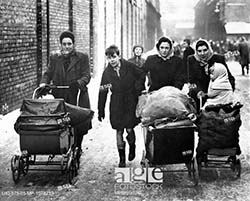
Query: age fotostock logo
point(138, 174)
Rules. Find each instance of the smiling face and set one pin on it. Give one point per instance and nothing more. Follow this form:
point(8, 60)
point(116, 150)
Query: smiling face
point(138, 51)
point(114, 60)
point(164, 49)
point(67, 46)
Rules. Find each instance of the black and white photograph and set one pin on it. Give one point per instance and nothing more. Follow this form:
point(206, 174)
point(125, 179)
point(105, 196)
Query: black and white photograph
point(124, 100)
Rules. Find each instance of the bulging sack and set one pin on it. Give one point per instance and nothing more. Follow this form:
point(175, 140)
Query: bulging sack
point(167, 102)
point(78, 114)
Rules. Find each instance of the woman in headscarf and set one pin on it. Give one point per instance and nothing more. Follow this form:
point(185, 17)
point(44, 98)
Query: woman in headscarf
point(198, 69)
point(165, 68)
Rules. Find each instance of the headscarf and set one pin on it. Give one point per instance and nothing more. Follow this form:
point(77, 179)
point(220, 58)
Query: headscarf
point(221, 80)
point(220, 90)
point(170, 42)
point(202, 42)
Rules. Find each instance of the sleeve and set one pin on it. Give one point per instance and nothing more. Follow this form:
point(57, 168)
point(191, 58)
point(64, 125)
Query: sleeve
point(48, 74)
point(230, 76)
point(103, 92)
point(140, 79)
point(190, 76)
point(85, 73)
point(180, 74)
point(146, 66)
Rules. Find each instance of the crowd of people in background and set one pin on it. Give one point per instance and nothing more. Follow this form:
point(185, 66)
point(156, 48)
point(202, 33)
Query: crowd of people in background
point(232, 49)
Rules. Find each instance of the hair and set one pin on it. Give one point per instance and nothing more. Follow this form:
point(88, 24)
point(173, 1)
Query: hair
point(187, 41)
point(164, 39)
point(111, 50)
point(138, 46)
point(67, 34)
point(201, 43)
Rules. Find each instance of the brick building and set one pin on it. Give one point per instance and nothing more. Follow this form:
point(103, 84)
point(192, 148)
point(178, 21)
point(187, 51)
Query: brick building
point(29, 34)
point(207, 21)
point(222, 19)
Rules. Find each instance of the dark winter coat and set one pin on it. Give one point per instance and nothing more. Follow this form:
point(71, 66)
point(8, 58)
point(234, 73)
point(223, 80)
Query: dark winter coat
point(244, 53)
point(77, 70)
point(197, 75)
point(164, 72)
point(187, 52)
point(137, 61)
point(125, 90)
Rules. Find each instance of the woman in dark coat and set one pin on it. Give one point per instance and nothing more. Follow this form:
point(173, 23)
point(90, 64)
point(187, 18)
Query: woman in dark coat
point(125, 80)
point(165, 68)
point(70, 68)
point(198, 69)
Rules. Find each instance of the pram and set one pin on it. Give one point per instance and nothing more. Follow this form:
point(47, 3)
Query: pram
point(44, 129)
point(218, 138)
point(167, 146)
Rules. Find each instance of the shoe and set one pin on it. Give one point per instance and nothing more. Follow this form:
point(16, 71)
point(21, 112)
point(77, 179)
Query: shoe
point(131, 154)
point(122, 162)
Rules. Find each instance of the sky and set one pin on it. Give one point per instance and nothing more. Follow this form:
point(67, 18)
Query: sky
point(178, 9)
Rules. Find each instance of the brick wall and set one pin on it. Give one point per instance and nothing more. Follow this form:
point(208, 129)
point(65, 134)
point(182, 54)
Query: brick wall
point(58, 21)
point(81, 25)
point(23, 59)
point(18, 42)
point(17, 51)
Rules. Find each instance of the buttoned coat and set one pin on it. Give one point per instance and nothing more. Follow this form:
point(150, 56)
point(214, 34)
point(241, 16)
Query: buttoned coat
point(125, 90)
point(78, 70)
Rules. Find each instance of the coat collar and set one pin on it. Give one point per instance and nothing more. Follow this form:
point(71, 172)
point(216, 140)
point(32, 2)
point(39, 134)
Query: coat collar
point(74, 58)
point(122, 69)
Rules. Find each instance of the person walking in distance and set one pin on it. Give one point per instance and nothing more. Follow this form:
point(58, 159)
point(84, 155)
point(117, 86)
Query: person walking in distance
point(125, 81)
point(137, 58)
point(244, 55)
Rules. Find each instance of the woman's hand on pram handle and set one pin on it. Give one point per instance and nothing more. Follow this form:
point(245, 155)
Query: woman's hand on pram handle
point(45, 89)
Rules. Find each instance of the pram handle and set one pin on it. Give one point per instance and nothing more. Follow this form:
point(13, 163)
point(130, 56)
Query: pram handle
point(49, 87)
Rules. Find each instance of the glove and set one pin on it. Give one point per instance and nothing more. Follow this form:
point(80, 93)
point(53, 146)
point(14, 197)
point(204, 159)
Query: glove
point(101, 116)
point(74, 86)
point(42, 85)
point(43, 90)
point(201, 94)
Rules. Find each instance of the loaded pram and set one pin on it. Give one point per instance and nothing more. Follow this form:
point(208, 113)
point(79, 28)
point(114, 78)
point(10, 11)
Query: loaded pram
point(218, 131)
point(167, 119)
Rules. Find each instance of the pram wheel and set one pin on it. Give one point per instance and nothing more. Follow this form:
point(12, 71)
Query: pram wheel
point(63, 165)
point(15, 167)
point(77, 156)
point(193, 171)
point(24, 162)
point(71, 168)
point(236, 168)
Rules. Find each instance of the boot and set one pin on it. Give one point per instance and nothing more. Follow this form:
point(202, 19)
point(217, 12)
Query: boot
point(122, 162)
point(243, 71)
point(131, 154)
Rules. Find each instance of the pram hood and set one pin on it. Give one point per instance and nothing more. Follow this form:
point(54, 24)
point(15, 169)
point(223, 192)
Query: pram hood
point(43, 107)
